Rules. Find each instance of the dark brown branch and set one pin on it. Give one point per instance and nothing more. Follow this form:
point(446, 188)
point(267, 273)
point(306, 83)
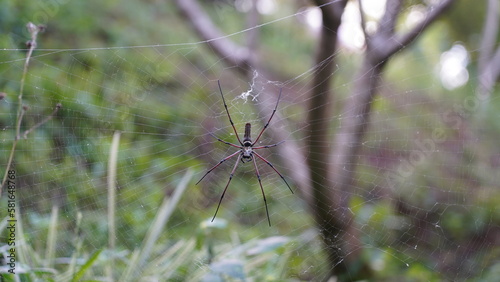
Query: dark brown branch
point(226, 49)
point(333, 217)
point(319, 112)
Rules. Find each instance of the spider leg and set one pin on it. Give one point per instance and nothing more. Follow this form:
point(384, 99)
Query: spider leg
point(271, 165)
point(215, 166)
point(268, 146)
point(228, 115)
point(267, 124)
point(261, 189)
point(227, 185)
point(225, 142)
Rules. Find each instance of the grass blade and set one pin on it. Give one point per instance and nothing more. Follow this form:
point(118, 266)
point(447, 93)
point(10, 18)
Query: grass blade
point(51, 238)
point(78, 276)
point(162, 216)
point(113, 159)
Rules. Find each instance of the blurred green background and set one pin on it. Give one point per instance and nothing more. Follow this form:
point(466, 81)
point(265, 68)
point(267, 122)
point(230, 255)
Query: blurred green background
point(136, 67)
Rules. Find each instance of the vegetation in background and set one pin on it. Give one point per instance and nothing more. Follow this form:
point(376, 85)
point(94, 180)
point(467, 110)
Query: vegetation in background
point(63, 166)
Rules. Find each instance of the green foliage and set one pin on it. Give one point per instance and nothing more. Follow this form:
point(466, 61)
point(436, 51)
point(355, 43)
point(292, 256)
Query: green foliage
point(158, 97)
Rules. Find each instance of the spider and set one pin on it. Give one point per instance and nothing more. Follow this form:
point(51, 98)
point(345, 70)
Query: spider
point(246, 153)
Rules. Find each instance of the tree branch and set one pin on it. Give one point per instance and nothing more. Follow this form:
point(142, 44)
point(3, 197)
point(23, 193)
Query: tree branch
point(334, 219)
point(226, 49)
point(363, 20)
point(489, 36)
point(357, 109)
point(488, 76)
point(387, 24)
point(387, 46)
point(45, 120)
point(489, 63)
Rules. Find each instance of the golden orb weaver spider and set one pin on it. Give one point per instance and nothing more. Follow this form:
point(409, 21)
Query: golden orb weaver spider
point(246, 153)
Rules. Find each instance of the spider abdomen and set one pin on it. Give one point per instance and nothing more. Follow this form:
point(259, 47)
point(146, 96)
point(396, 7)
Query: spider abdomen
point(247, 141)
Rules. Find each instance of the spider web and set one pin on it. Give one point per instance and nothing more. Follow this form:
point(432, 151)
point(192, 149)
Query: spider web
point(425, 190)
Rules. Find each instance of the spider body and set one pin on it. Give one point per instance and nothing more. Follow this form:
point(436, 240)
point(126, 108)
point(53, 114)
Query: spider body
point(246, 153)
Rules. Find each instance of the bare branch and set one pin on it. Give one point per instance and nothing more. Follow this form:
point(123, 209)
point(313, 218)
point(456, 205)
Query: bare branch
point(226, 49)
point(489, 36)
point(363, 20)
point(46, 119)
point(319, 112)
point(389, 46)
point(489, 63)
point(489, 76)
point(387, 23)
point(335, 222)
point(357, 109)
point(31, 44)
point(319, 108)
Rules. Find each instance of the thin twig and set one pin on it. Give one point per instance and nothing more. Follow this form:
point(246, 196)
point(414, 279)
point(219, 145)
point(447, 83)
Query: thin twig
point(33, 29)
point(58, 106)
